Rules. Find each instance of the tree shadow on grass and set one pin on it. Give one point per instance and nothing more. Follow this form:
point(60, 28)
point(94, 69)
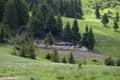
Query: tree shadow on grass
point(117, 31)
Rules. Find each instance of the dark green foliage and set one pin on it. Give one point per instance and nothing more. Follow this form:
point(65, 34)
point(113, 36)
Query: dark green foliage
point(88, 39)
point(2, 8)
point(64, 60)
point(55, 56)
point(97, 11)
point(48, 56)
point(117, 16)
point(118, 62)
point(22, 12)
point(86, 29)
point(59, 25)
point(16, 14)
point(115, 25)
point(49, 39)
point(67, 32)
point(44, 11)
point(50, 23)
point(109, 62)
point(105, 19)
point(3, 33)
point(75, 31)
point(10, 15)
point(27, 47)
point(71, 59)
point(91, 39)
point(37, 24)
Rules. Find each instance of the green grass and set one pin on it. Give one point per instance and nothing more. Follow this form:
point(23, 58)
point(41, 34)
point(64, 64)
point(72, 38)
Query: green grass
point(42, 69)
point(107, 40)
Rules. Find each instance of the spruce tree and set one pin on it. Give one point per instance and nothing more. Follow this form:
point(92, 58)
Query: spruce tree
point(49, 39)
point(91, 39)
point(50, 23)
point(117, 16)
point(10, 15)
point(37, 24)
point(61, 7)
point(71, 59)
point(59, 25)
point(2, 8)
point(75, 30)
point(55, 56)
point(3, 33)
point(64, 60)
point(22, 12)
point(67, 32)
point(97, 11)
point(115, 25)
point(105, 19)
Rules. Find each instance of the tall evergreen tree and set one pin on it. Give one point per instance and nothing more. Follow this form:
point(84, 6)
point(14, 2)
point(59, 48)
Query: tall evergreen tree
point(61, 7)
point(79, 10)
point(55, 56)
point(59, 25)
point(10, 15)
point(50, 23)
point(2, 8)
point(64, 60)
point(71, 59)
point(117, 16)
point(3, 33)
point(115, 25)
point(105, 19)
point(91, 39)
point(37, 24)
point(97, 13)
point(22, 12)
point(75, 30)
point(49, 39)
point(67, 32)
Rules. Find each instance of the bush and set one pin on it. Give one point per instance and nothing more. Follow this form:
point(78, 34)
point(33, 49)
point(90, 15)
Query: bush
point(71, 59)
point(64, 60)
point(118, 62)
point(109, 62)
point(48, 56)
point(55, 56)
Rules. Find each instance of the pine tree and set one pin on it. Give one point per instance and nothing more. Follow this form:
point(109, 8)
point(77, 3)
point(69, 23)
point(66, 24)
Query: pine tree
point(37, 24)
point(97, 11)
point(115, 25)
point(91, 39)
point(105, 19)
point(75, 30)
point(67, 33)
point(22, 12)
point(71, 59)
point(86, 29)
point(61, 7)
point(59, 25)
point(79, 10)
point(3, 33)
point(2, 8)
point(49, 39)
point(55, 56)
point(117, 16)
point(51, 23)
point(10, 15)
point(64, 60)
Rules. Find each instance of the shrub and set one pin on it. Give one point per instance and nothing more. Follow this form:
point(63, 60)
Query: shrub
point(118, 62)
point(71, 59)
point(48, 56)
point(109, 62)
point(64, 60)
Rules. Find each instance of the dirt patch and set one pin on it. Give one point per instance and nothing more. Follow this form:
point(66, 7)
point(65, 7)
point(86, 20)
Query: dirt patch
point(83, 55)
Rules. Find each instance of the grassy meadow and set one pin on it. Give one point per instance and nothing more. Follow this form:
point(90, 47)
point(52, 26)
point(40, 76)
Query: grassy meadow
point(27, 69)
